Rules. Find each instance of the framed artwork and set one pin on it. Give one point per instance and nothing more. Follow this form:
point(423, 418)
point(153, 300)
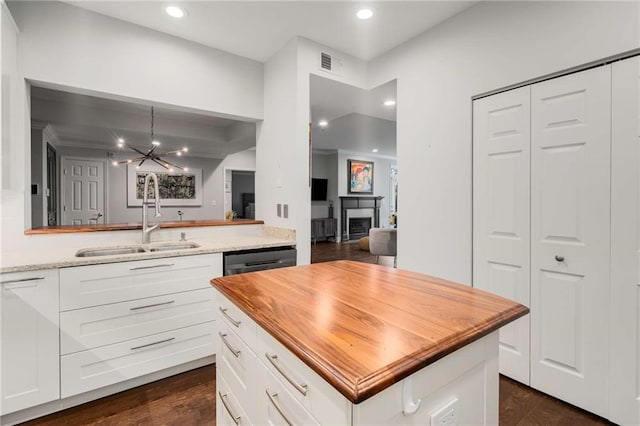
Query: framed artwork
point(177, 188)
point(359, 177)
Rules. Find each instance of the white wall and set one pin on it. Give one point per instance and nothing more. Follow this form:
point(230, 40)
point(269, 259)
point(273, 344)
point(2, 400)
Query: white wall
point(66, 45)
point(282, 172)
point(489, 46)
point(63, 46)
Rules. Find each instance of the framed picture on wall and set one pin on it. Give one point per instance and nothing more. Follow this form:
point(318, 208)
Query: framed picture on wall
point(177, 188)
point(359, 177)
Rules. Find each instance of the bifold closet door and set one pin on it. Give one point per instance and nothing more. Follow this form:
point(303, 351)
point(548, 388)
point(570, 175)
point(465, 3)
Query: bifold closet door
point(501, 137)
point(625, 242)
point(570, 237)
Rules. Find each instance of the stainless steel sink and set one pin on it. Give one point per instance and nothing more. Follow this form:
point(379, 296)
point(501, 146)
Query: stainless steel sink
point(109, 251)
point(173, 246)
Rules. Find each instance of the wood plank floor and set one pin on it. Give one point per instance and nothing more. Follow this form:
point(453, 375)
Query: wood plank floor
point(189, 398)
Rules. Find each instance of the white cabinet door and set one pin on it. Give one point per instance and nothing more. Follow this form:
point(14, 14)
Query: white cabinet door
point(625, 243)
point(30, 372)
point(570, 237)
point(501, 153)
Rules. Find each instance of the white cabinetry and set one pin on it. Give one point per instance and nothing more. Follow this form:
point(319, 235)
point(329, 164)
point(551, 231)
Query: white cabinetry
point(121, 321)
point(260, 382)
point(556, 223)
point(30, 349)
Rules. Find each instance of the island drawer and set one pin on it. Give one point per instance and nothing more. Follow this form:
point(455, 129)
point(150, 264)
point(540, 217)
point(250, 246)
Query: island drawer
point(232, 413)
point(236, 362)
point(86, 286)
point(106, 365)
point(107, 324)
point(238, 321)
point(317, 396)
point(280, 406)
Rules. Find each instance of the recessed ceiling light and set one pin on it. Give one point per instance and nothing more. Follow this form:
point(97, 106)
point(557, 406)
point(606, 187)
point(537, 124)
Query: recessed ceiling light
point(374, 150)
point(390, 102)
point(155, 143)
point(174, 11)
point(323, 123)
point(364, 13)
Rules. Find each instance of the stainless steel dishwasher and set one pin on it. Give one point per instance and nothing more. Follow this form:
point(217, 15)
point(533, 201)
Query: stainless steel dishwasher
point(237, 262)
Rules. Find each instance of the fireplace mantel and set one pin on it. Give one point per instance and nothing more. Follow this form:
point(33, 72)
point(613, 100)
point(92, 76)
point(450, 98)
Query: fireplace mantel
point(359, 202)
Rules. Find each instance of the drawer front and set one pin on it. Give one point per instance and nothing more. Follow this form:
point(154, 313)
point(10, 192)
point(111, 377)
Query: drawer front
point(104, 325)
point(86, 286)
point(236, 362)
point(229, 412)
point(95, 368)
point(280, 407)
point(316, 395)
point(238, 321)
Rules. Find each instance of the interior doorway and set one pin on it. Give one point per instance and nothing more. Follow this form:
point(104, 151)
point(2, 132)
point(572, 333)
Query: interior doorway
point(239, 193)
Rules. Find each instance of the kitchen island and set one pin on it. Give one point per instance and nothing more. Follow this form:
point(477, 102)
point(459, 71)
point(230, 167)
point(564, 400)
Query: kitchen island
point(353, 343)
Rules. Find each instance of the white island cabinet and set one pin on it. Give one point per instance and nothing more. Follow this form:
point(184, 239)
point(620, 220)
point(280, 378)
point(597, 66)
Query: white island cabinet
point(30, 350)
point(346, 343)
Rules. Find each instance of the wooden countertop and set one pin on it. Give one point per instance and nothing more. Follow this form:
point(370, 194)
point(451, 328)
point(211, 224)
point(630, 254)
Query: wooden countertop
point(67, 229)
point(363, 327)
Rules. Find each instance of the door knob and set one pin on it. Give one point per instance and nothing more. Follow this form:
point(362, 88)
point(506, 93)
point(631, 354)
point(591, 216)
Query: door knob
point(559, 258)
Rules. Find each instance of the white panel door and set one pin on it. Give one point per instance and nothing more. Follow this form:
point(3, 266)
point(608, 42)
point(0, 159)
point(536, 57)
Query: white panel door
point(570, 237)
point(83, 195)
point(501, 157)
point(625, 243)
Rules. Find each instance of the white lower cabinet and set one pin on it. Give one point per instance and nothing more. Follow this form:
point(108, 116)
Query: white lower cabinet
point(124, 320)
point(30, 372)
point(106, 365)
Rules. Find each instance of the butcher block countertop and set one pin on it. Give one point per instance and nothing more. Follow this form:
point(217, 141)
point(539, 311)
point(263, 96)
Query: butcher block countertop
point(364, 327)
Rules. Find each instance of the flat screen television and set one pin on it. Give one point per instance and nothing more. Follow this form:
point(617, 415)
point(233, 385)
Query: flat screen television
point(319, 189)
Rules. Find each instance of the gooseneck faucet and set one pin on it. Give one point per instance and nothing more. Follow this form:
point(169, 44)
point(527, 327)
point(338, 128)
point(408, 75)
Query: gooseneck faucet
point(146, 229)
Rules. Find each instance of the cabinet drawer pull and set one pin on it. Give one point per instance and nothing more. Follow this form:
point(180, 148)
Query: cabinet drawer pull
point(22, 280)
point(302, 388)
point(234, 351)
point(224, 312)
point(153, 306)
point(272, 398)
point(154, 343)
point(559, 258)
point(223, 398)
point(164, 265)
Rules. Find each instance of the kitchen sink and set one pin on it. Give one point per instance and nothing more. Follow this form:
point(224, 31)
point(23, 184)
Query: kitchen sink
point(172, 246)
point(109, 251)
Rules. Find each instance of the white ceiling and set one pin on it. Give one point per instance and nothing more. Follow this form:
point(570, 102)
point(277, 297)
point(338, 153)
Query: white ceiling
point(258, 29)
point(358, 120)
point(92, 122)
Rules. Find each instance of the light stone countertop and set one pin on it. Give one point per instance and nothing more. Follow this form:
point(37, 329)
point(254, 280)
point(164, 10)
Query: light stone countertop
point(65, 257)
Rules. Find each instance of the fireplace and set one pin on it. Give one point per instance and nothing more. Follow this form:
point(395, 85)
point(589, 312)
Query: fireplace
point(359, 227)
point(363, 212)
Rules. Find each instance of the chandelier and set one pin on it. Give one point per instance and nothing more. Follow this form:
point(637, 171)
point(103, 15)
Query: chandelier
point(152, 154)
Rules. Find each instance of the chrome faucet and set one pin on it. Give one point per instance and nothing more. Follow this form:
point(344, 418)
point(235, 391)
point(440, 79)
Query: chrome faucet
point(146, 229)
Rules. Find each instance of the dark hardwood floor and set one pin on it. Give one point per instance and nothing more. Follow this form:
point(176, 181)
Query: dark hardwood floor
point(189, 398)
point(184, 399)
